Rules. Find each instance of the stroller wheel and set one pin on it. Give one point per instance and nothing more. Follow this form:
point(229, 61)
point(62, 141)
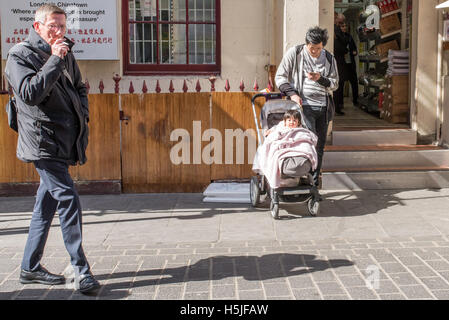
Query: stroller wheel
point(254, 191)
point(314, 207)
point(274, 207)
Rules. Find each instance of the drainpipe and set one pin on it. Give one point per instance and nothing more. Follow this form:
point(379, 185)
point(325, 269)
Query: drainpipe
point(271, 23)
point(439, 81)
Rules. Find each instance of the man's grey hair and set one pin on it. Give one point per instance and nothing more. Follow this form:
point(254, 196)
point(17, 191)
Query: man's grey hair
point(45, 10)
point(339, 18)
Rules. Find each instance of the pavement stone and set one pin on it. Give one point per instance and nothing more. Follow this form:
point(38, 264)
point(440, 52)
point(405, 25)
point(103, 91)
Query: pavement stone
point(174, 246)
point(251, 295)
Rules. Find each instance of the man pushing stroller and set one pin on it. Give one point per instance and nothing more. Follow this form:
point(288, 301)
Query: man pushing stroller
point(308, 74)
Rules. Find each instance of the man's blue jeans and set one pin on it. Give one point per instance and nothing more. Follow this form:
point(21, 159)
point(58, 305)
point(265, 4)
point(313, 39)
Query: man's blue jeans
point(56, 192)
point(316, 120)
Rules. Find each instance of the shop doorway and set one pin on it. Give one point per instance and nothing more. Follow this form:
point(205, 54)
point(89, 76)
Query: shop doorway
point(380, 68)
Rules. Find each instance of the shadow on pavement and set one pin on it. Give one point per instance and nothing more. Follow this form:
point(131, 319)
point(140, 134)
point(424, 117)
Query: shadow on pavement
point(191, 207)
point(250, 268)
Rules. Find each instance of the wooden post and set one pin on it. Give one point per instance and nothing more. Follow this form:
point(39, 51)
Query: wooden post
point(117, 79)
point(212, 83)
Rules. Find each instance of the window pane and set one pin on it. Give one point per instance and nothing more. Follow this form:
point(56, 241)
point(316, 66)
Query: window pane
point(172, 44)
point(202, 44)
point(132, 9)
point(143, 43)
point(142, 10)
point(172, 10)
point(202, 10)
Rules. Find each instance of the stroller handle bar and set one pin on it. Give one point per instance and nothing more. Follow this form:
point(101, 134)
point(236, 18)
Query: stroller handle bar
point(273, 95)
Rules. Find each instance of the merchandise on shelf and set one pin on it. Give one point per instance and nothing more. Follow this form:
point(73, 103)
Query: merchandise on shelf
point(395, 107)
point(383, 48)
point(398, 62)
point(390, 24)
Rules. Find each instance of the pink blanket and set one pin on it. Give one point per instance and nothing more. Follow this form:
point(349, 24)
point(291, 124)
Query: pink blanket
point(280, 144)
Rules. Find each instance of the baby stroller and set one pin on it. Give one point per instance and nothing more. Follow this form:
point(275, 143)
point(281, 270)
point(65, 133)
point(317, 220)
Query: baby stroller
point(304, 190)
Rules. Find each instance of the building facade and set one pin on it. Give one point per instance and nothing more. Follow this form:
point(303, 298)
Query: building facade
point(186, 42)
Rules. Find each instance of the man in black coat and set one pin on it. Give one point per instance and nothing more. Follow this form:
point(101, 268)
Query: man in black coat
point(345, 52)
point(53, 113)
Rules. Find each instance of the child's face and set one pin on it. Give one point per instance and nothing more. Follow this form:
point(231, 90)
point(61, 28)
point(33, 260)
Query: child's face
point(291, 123)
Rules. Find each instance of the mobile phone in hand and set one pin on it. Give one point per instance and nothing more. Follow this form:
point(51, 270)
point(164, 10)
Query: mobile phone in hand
point(68, 43)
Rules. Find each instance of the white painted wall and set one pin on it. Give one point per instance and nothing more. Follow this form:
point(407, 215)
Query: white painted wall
point(299, 17)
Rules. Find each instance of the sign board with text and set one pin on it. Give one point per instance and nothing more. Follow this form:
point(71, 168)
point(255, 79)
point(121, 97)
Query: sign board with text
point(91, 25)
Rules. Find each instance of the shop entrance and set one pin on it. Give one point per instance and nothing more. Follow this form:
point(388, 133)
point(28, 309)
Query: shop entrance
point(376, 64)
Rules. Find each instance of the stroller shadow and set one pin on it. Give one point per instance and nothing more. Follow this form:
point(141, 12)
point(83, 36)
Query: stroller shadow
point(349, 203)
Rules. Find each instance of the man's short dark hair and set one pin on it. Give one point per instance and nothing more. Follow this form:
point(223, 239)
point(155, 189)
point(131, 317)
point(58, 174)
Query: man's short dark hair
point(292, 114)
point(316, 35)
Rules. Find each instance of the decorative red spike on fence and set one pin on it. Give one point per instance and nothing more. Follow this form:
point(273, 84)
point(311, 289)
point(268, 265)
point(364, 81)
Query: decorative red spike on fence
point(184, 86)
point(117, 79)
point(242, 86)
point(256, 86)
point(171, 88)
point(198, 86)
point(144, 87)
point(87, 86)
point(131, 87)
point(101, 86)
point(227, 86)
point(212, 83)
point(270, 85)
point(158, 87)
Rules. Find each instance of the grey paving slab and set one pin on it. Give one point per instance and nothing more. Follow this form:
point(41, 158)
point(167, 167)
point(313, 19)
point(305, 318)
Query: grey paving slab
point(251, 295)
point(174, 246)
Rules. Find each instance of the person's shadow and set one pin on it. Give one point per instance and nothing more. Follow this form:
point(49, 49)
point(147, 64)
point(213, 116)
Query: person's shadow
point(251, 268)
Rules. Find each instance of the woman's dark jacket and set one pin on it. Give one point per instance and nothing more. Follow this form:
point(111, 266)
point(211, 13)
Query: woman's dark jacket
point(53, 110)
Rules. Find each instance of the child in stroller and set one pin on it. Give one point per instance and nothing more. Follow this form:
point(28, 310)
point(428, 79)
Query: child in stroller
point(285, 159)
point(296, 152)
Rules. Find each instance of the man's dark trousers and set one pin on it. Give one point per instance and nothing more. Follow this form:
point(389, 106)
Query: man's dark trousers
point(316, 120)
point(56, 192)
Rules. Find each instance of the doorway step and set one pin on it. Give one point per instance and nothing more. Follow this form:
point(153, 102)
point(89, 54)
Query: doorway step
point(383, 159)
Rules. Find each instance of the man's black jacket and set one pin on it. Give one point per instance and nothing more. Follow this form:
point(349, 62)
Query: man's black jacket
point(53, 110)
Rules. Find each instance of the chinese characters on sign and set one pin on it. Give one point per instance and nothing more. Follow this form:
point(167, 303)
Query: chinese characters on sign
point(91, 25)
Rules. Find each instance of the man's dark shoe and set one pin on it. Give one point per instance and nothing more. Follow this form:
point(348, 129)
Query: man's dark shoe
point(88, 284)
point(340, 113)
point(40, 276)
